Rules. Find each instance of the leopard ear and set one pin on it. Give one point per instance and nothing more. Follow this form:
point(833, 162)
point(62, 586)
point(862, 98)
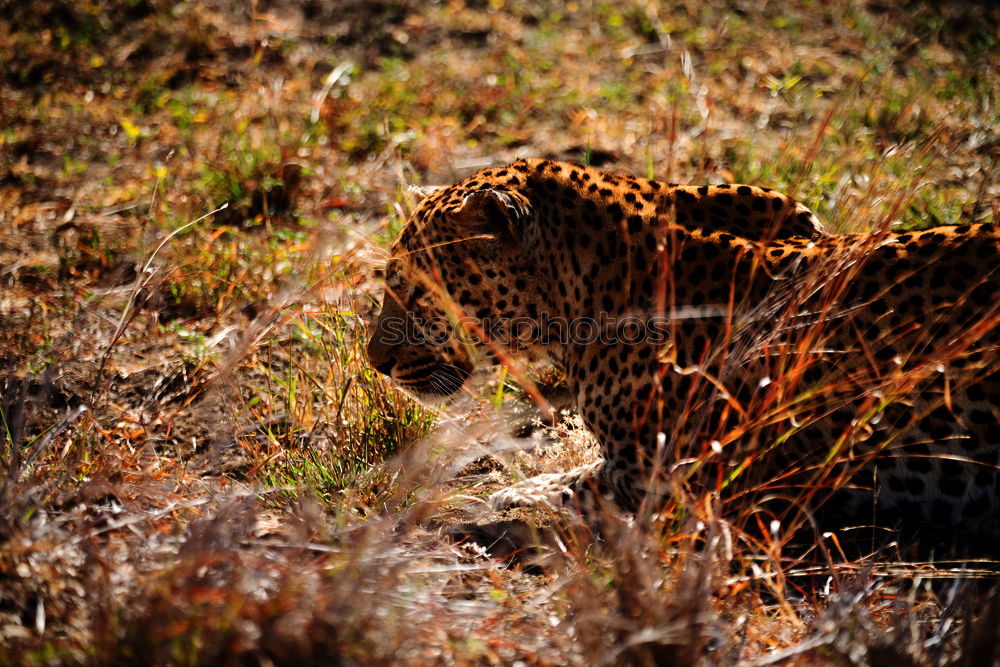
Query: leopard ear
point(422, 192)
point(498, 213)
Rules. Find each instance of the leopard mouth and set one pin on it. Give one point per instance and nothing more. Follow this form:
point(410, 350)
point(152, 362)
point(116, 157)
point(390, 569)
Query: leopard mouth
point(434, 379)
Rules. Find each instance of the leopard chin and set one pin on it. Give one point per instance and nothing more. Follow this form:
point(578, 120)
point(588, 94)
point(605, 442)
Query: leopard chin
point(440, 381)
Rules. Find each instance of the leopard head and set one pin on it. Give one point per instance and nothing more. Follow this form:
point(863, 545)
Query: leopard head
point(457, 283)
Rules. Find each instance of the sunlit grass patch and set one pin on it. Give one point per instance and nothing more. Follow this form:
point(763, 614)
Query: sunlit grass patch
point(337, 418)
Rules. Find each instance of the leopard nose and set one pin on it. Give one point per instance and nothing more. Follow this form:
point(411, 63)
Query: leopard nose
point(385, 368)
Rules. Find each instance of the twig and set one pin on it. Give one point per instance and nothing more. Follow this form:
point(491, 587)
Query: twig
point(44, 441)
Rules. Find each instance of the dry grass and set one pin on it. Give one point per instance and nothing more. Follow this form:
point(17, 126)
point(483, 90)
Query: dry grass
point(243, 488)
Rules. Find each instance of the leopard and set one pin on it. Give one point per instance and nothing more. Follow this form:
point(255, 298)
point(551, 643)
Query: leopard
point(713, 334)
